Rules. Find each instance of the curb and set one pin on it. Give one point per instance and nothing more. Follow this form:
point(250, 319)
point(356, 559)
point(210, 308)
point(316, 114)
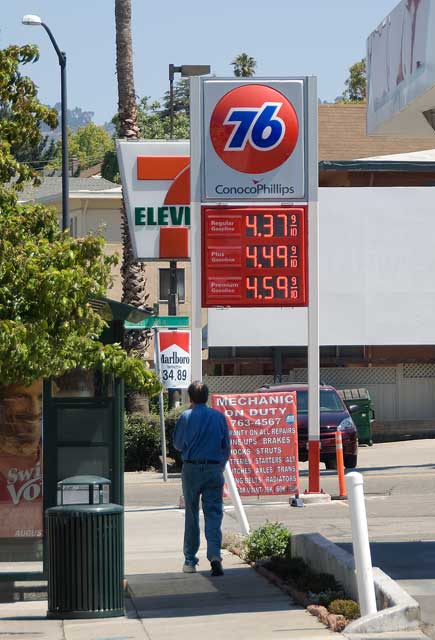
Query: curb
point(398, 611)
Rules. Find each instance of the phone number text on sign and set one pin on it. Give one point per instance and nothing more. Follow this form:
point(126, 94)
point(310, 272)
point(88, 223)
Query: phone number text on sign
point(264, 441)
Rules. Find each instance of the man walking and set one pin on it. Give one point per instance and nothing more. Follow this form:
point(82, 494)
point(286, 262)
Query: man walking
point(201, 434)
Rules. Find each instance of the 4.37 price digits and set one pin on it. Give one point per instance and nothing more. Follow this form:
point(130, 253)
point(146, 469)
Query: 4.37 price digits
point(180, 375)
point(269, 287)
point(273, 225)
point(272, 256)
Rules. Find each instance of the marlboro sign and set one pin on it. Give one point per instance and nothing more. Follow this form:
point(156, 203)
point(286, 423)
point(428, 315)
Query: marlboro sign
point(175, 360)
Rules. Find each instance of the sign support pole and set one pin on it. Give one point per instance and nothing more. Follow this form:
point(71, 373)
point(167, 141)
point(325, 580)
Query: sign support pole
point(172, 311)
point(313, 293)
point(161, 407)
point(195, 226)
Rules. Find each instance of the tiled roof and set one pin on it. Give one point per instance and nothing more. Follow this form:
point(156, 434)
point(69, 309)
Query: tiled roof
point(52, 186)
point(342, 135)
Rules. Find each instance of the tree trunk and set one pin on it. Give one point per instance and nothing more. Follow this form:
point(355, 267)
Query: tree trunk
point(132, 272)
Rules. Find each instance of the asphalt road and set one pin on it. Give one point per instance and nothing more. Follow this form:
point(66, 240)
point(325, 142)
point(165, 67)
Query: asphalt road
point(399, 483)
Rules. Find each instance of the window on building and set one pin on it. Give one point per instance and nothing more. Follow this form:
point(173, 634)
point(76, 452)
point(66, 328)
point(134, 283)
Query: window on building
point(164, 285)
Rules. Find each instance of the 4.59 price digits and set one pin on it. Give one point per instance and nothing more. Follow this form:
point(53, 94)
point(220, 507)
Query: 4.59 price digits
point(276, 225)
point(272, 256)
point(268, 287)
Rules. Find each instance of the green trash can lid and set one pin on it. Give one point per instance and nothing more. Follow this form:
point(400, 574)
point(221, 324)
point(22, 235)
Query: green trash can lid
point(89, 480)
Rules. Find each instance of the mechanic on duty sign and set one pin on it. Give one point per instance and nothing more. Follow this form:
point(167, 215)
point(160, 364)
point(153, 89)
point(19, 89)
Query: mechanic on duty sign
point(264, 441)
point(254, 134)
point(175, 359)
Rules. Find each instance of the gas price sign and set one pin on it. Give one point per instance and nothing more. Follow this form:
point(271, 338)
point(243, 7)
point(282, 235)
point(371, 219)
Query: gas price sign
point(254, 256)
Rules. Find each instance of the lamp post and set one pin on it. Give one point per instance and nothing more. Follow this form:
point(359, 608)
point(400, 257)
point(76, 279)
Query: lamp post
point(186, 70)
point(36, 21)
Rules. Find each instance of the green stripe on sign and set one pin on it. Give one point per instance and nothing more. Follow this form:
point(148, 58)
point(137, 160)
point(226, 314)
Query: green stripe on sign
point(167, 322)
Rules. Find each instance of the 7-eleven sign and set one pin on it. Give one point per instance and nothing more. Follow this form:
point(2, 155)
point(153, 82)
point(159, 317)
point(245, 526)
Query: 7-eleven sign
point(156, 185)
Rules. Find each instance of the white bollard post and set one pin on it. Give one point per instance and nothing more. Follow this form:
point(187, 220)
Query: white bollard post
point(235, 497)
point(360, 541)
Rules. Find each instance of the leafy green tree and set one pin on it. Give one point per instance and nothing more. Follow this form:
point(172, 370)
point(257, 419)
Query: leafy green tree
point(356, 83)
point(88, 144)
point(181, 98)
point(21, 115)
point(47, 278)
point(153, 121)
point(244, 66)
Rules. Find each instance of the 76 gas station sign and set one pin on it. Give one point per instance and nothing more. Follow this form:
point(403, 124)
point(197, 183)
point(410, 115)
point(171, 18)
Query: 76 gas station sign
point(254, 140)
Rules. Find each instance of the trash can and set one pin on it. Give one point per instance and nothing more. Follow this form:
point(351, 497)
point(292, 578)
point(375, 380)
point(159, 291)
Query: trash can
point(364, 416)
point(85, 551)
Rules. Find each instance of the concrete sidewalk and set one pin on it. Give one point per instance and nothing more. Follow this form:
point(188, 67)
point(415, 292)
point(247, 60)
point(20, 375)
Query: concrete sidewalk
point(165, 604)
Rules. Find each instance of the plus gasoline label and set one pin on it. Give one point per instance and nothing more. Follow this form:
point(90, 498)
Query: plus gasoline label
point(254, 129)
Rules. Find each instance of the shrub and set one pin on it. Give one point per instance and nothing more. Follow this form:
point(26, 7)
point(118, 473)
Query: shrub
point(317, 582)
point(347, 608)
point(142, 442)
point(270, 540)
point(170, 422)
point(297, 567)
point(324, 598)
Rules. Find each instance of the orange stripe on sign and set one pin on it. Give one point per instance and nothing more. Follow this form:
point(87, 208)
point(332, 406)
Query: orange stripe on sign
point(179, 191)
point(160, 167)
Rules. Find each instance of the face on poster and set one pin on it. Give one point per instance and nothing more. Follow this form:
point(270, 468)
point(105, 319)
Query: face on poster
point(264, 441)
point(20, 461)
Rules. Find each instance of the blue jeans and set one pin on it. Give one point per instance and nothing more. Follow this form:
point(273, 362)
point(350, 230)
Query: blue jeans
point(205, 481)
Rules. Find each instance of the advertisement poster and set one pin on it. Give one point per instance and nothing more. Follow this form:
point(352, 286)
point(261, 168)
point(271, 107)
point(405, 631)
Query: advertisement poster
point(20, 461)
point(264, 441)
point(175, 360)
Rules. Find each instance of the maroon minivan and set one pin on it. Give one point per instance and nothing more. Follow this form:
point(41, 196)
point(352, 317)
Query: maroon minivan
point(334, 416)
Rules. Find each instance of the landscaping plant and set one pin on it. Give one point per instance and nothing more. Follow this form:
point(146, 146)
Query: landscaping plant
point(271, 540)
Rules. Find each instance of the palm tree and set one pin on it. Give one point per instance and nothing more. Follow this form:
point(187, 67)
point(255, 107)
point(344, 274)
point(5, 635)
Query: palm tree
point(132, 272)
point(244, 66)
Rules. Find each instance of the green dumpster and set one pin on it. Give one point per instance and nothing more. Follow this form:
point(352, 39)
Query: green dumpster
point(85, 551)
point(364, 416)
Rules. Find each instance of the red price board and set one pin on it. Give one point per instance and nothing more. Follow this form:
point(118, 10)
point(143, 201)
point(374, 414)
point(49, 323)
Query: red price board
point(264, 441)
point(254, 256)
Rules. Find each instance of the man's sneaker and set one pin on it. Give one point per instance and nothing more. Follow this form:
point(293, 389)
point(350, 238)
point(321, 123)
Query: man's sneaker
point(189, 568)
point(216, 568)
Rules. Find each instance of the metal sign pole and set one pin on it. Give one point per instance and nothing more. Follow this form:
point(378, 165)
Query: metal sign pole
point(313, 293)
point(195, 226)
point(161, 407)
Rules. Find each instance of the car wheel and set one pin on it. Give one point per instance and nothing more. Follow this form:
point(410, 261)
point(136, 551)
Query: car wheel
point(330, 464)
point(350, 462)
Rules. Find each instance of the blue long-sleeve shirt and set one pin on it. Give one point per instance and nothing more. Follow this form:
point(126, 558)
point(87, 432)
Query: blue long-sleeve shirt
point(201, 433)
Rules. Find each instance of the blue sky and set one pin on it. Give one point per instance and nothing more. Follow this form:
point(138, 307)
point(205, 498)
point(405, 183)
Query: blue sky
point(286, 37)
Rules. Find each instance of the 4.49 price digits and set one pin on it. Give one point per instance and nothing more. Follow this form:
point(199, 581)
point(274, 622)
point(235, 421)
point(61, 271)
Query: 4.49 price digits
point(276, 225)
point(180, 375)
point(272, 256)
point(268, 287)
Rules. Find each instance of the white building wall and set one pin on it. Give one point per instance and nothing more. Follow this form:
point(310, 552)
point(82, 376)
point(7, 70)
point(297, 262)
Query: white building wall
point(377, 276)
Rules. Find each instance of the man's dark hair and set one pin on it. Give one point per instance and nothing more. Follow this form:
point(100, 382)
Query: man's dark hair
point(198, 392)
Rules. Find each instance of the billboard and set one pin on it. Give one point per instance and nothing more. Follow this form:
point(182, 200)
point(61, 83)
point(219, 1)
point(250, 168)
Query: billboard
point(264, 441)
point(254, 140)
point(20, 461)
point(156, 186)
point(401, 71)
point(175, 361)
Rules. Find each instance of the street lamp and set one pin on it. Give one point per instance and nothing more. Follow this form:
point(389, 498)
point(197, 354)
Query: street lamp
point(36, 21)
point(186, 70)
